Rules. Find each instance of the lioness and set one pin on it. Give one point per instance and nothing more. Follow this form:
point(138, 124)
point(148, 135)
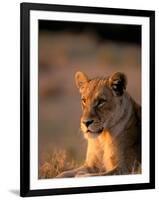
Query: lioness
point(111, 123)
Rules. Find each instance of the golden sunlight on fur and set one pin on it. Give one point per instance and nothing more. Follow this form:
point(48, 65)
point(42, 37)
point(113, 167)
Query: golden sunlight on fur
point(111, 124)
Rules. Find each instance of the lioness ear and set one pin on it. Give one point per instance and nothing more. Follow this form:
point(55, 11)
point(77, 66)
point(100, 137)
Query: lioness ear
point(80, 79)
point(118, 83)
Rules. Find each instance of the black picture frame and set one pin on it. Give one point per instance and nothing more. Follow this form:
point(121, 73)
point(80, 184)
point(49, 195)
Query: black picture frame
point(25, 9)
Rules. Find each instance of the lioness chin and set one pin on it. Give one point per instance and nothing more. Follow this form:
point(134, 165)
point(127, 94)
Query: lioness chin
point(111, 123)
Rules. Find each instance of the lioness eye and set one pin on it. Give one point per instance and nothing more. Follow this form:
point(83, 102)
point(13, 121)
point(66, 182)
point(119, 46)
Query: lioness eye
point(101, 102)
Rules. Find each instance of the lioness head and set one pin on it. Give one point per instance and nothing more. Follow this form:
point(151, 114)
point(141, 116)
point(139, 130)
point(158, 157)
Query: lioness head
point(102, 100)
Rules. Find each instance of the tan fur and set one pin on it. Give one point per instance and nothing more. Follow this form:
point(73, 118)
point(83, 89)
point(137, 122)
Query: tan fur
point(114, 130)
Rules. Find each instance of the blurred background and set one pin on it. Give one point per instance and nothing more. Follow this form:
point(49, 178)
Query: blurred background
point(67, 47)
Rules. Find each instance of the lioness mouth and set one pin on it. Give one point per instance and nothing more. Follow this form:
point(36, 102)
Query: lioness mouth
point(98, 131)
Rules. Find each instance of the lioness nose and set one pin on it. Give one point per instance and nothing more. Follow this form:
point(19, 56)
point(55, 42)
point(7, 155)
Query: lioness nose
point(87, 122)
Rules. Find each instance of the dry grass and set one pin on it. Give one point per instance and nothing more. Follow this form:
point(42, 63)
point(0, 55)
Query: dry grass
point(54, 163)
point(58, 161)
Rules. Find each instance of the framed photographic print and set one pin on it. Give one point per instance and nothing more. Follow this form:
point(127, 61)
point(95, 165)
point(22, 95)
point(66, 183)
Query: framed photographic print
point(87, 99)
